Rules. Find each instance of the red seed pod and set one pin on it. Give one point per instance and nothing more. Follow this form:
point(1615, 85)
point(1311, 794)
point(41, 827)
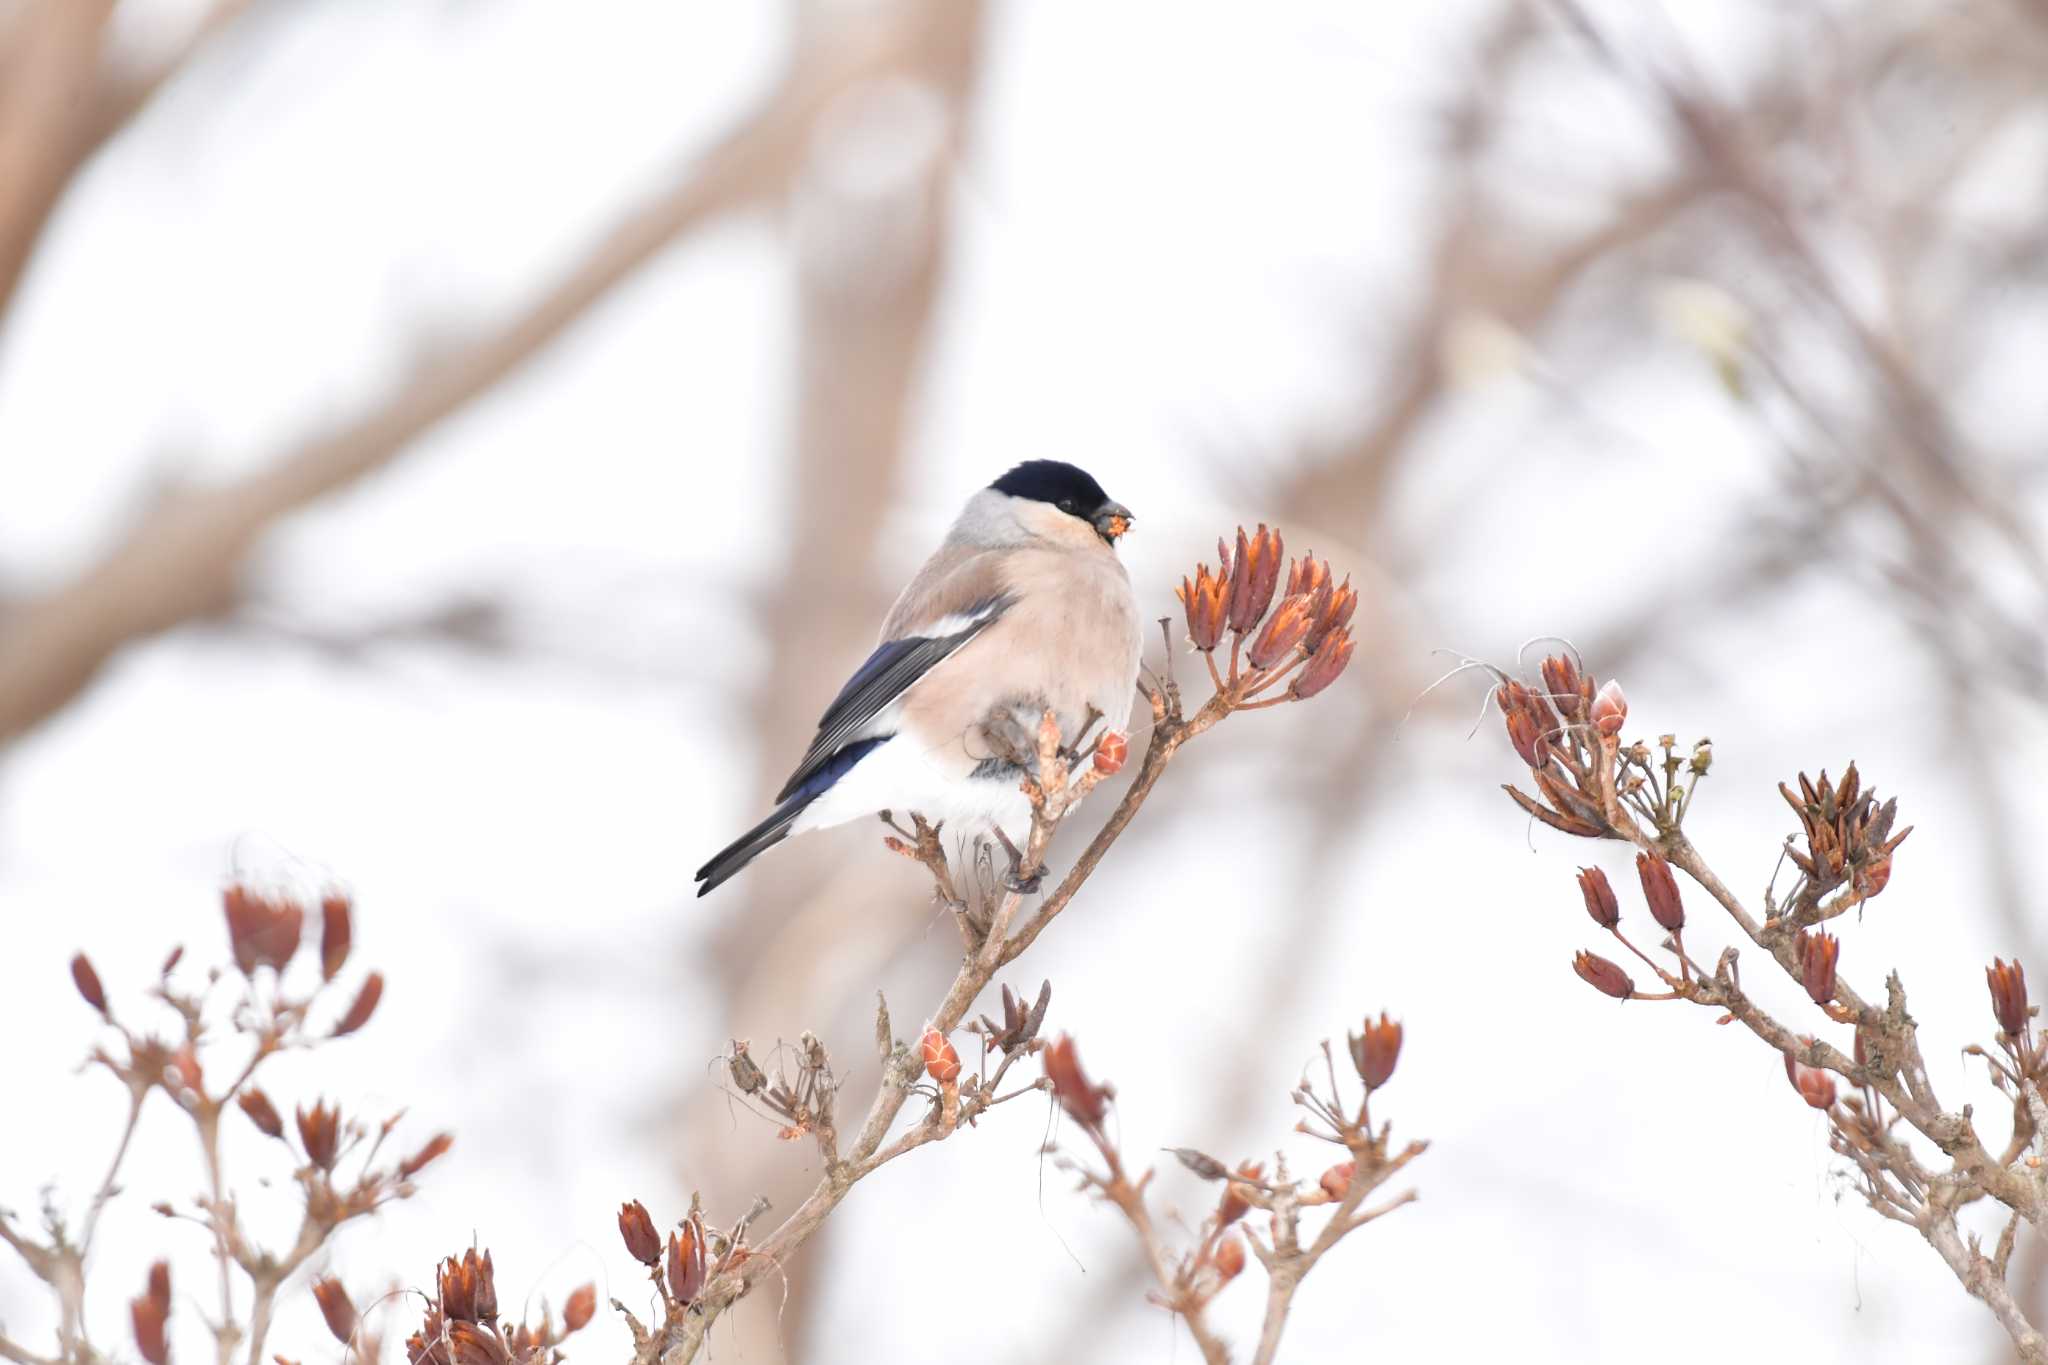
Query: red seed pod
point(336, 1308)
point(1112, 752)
point(1254, 574)
point(336, 933)
point(261, 1112)
point(88, 982)
point(941, 1061)
point(637, 1229)
point(1600, 901)
point(1206, 602)
point(1375, 1051)
point(1086, 1102)
point(2008, 983)
point(1331, 658)
point(1817, 954)
point(437, 1147)
point(320, 1131)
point(364, 1006)
point(1610, 708)
point(1660, 889)
point(1603, 976)
point(1284, 632)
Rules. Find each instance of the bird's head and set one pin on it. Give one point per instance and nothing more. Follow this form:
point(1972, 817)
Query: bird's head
point(1061, 502)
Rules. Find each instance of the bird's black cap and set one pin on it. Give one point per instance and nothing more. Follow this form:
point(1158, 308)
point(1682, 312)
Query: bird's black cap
point(1053, 481)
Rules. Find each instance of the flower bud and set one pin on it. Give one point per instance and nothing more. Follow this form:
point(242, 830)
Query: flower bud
point(1253, 576)
point(88, 982)
point(1229, 1260)
point(364, 1006)
point(1332, 656)
point(1600, 901)
point(1610, 708)
point(637, 1229)
point(941, 1061)
point(336, 933)
point(336, 1308)
point(1284, 632)
point(1111, 752)
point(1817, 954)
point(261, 1112)
point(1660, 889)
point(1206, 602)
point(1814, 1085)
point(1603, 976)
point(2008, 983)
point(1337, 1179)
point(577, 1313)
point(1375, 1051)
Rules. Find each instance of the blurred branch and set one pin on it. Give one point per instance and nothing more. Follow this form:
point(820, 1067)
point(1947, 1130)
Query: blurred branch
point(181, 559)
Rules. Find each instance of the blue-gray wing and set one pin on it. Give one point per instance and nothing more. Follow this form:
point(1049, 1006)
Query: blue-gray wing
point(859, 711)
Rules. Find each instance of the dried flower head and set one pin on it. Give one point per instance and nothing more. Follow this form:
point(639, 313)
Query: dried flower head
point(637, 1230)
point(1600, 901)
point(336, 933)
point(1848, 834)
point(88, 982)
point(1603, 976)
point(1375, 1050)
point(1563, 684)
point(1660, 889)
point(1254, 573)
point(1528, 719)
point(336, 1308)
point(468, 1289)
point(261, 1112)
point(1817, 955)
point(320, 1131)
point(150, 1314)
point(1206, 603)
point(2008, 983)
point(1335, 607)
point(941, 1060)
point(1332, 656)
point(1085, 1101)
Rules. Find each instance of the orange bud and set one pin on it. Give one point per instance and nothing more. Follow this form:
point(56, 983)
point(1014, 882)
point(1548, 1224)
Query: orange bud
point(336, 1308)
point(1337, 1179)
point(1374, 1051)
point(1600, 902)
point(1814, 1085)
point(1229, 1260)
point(2008, 983)
point(1113, 750)
point(941, 1061)
point(1603, 976)
point(365, 1005)
point(1610, 708)
point(1253, 577)
point(637, 1228)
point(1817, 954)
point(1660, 889)
point(1086, 1102)
point(336, 933)
point(88, 982)
point(320, 1131)
point(582, 1306)
point(261, 1112)
point(1284, 632)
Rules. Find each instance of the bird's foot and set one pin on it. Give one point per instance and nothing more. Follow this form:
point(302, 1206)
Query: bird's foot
point(1015, 879)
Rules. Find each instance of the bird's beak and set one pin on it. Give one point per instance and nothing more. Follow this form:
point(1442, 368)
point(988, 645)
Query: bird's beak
point(1112, 519)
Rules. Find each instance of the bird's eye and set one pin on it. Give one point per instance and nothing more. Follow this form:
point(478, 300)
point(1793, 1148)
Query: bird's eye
point(1070, 507)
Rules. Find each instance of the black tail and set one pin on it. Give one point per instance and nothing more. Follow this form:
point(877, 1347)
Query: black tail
point(750, 845)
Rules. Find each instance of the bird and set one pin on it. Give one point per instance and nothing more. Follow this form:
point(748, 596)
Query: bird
point(1024, 608)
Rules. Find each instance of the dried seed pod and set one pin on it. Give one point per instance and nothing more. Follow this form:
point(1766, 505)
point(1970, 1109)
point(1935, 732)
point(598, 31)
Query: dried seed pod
point(1660, 889)
point(364, 1005)
point(1600, 901)
point(2008, 983)
point(336, 1308)
point(637, 1229)
point(261, 1112)
point(336, 933)
point(1603, 976)
point(320, 1132)
point(1817, 955)
point(1086, 1102)
point(88, 982)
point(1375, 1050)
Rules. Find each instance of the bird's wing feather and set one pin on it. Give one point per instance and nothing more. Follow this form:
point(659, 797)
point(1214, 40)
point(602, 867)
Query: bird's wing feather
point(937, 614)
